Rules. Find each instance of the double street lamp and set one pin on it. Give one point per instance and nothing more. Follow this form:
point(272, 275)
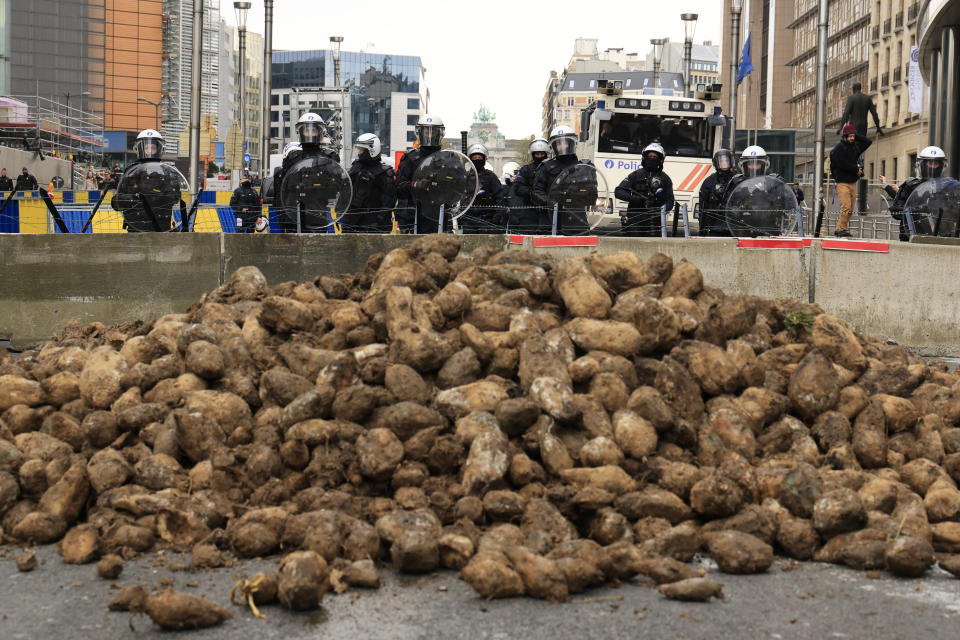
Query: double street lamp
point(657, 55)
point(689, 26)
point(241, 8)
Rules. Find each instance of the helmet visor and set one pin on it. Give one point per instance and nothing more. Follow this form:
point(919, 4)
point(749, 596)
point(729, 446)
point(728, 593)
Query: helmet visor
point(309, 133)
point(722, 162)
point(429, 135)
point(149, 148)
point(564, 145)
point(931, 168)
point(754, 166)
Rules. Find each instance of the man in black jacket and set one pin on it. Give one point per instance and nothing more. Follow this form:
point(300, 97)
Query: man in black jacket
point(26, 181)
point(846, 169)
point(712, 195)
point(526, 218)
point(647, 190)
point(429, 137)
point(374, 191)
point(245, 203)
point(6, 184)
point(563, 143)
point(486, 214)
point(855, 112)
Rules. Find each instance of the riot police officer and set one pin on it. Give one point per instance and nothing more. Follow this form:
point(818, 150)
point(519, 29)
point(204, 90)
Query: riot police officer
point(429, 131)
point(26, 181)
point(310, 129)
point(6, 184)
point(931, 162)
point(374, 191)
point(525, 217)
point(148, 189)
point(563, 143)
point(245, 203)
point(487, 214)
point(713, 194)
point(646, 190)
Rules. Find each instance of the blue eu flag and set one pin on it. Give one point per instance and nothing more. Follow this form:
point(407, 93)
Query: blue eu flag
point(745, 66)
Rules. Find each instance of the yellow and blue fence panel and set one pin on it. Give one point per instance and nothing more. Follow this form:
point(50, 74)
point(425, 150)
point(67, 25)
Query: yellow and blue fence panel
point(26, 212)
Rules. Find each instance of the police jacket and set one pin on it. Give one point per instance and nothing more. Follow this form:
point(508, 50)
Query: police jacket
point(548, 172)
point(408, 166)
point(845, 159)
point(245, 201)
point(373, 185)
point(645, 190)
point(523, 183)
point(26, 183)
point(901, 195)
point(490, 192)
point(6, 184)
point(713, 191)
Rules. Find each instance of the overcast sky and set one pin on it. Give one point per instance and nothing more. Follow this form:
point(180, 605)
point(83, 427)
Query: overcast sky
point(497, 53)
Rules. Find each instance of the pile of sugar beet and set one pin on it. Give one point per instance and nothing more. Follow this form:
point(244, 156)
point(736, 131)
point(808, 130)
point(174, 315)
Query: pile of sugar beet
point(541, 426)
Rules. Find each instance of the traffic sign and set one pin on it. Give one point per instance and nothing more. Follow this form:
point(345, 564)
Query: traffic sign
point(246, 158)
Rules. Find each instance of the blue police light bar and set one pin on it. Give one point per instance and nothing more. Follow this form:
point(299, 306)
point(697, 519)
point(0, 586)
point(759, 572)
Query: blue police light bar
point(601, 104)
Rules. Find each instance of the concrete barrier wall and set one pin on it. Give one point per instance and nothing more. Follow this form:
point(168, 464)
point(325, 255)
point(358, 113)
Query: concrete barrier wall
point(910, 294)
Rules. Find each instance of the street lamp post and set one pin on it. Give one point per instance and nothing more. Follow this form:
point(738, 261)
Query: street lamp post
point(657, 53)
point(266, 117)
point(335, 42)
point(156, 112)
point(734, 48)
point(689, 26)
point(241, 8)
point(67, 101)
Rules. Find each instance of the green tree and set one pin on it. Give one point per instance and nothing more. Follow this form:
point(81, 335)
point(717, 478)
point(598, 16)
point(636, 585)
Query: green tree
point(212, 169)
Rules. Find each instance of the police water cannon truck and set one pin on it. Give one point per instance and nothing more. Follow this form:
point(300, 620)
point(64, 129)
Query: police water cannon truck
point(615, 129)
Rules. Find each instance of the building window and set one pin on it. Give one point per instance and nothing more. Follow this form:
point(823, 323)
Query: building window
point(274, 132)
point(412, 119)
point(413, 103)
point(411, 136)
point(895, 163)
point(275, 99)
point(286, 98)
point(883, 167)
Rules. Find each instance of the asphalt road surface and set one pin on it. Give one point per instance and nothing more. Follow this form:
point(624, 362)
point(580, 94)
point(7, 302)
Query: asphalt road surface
point(792, 600)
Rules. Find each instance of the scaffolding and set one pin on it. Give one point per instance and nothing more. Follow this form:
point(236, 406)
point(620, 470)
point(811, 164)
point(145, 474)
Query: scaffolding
point(55, 128)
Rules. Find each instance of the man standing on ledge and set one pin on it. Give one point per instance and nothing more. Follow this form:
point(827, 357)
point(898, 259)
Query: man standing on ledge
point(846, 168)
point(855, 113)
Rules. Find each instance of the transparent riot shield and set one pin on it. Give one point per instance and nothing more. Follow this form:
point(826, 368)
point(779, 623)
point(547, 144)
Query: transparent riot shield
point(147, 194)
point(443, 188)
point(760, 206)
point(935, 205)
point(314, 193)
point(579, 198)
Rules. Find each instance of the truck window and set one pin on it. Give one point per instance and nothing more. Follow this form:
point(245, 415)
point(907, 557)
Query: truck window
point(629, 133)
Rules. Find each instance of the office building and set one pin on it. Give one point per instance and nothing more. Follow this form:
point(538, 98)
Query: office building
point(379, 93)
point(938, 35)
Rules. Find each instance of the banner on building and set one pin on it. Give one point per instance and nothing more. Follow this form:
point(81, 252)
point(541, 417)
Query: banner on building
point(915, 81)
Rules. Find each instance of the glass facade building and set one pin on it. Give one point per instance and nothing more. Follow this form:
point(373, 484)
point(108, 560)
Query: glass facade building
point(373, 81)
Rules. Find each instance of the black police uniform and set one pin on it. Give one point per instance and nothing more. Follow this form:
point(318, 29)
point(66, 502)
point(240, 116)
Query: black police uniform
point(26, 183)
point(245, 203)
point(287, 220)
point(549, 171)
point(646, 192)
point(374, 195)
point(405, 170)
point(487, 213)
point(6, 184)
point(712, 196)
point(159, 183)
point(525, 217)
point(900, 196)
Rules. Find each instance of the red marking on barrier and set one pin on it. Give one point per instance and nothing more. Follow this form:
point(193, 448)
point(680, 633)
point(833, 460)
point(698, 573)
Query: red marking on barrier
point(516, 239)
point(856, 245)
point(769, 243)
point(701, 178)
point(686, 182)
point(562, 241)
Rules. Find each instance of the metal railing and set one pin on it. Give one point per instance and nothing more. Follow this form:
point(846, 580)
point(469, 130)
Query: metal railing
point(49, 126)
point(912, 11)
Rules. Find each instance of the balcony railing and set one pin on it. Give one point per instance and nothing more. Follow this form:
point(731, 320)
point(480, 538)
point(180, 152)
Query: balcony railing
point(896, 74)
point(873, 85)
point(875, 33)
point(898, 21)
point(885, 80)
point(886, 27)
point(912, 12)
